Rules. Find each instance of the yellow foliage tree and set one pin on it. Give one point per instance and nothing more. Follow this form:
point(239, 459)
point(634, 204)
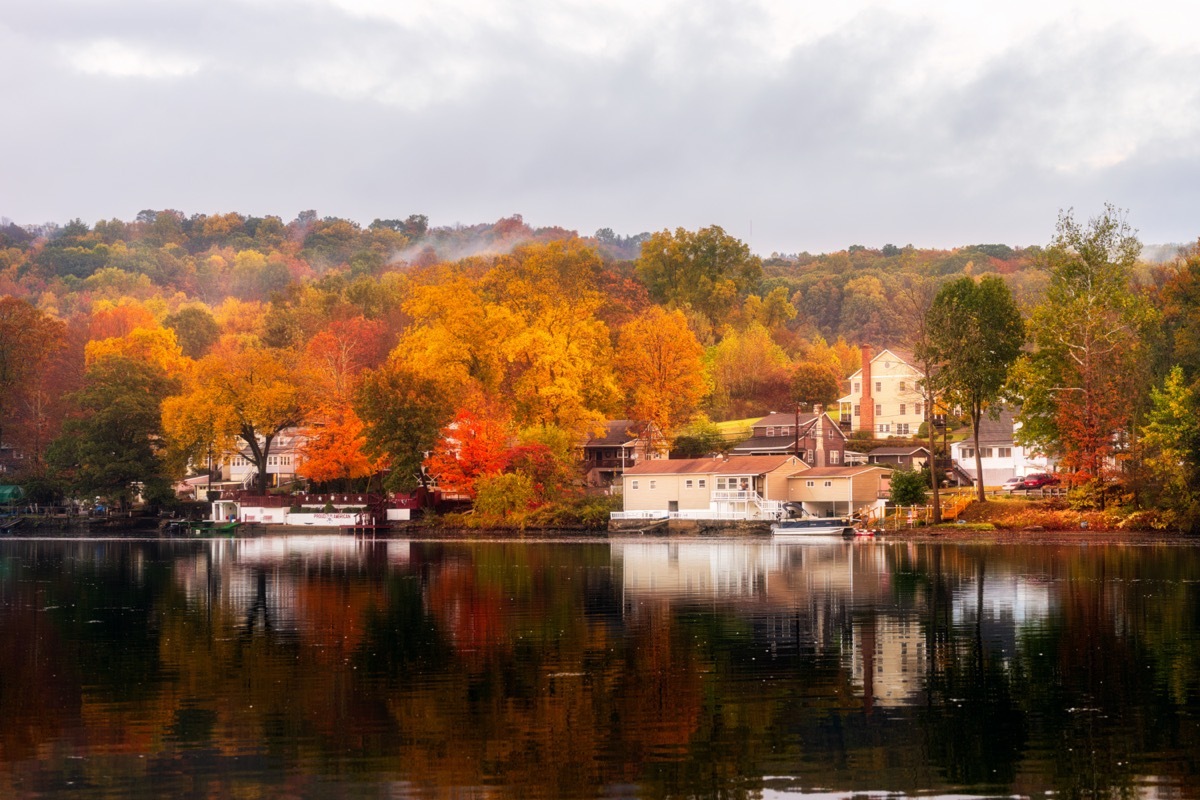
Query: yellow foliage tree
point(660, 367)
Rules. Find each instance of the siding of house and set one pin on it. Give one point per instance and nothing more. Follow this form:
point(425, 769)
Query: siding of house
point(888, 371)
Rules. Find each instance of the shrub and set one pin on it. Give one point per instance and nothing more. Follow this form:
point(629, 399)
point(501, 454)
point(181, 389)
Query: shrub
point(909, 488)
point(504, 494)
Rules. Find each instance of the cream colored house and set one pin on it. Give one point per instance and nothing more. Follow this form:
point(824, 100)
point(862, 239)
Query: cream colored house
point(739, 487)
point(840, 491)
point(885, 397)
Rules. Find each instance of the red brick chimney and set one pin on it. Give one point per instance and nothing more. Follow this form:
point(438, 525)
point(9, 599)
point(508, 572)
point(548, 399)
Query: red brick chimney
point(867, 403)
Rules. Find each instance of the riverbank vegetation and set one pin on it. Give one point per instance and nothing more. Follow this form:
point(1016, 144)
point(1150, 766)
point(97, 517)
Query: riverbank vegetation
point(477, 357)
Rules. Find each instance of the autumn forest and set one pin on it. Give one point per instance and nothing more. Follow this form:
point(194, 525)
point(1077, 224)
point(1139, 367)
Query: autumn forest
point(132, 353)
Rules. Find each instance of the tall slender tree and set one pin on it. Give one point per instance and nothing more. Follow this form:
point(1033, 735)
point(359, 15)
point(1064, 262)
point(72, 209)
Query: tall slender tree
point(976, 334)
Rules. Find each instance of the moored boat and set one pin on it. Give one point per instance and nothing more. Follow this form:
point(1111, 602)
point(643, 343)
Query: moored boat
point(813, 526)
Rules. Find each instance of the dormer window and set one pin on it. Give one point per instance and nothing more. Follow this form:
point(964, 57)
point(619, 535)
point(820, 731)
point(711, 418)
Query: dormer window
point(770, 430)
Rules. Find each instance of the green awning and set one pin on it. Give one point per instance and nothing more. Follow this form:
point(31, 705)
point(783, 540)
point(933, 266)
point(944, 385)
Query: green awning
point(11, 494)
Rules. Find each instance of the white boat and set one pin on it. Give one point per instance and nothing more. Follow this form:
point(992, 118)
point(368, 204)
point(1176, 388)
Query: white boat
point(814, 526)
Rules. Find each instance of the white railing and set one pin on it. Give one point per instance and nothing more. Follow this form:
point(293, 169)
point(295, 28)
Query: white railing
point(706, 513)
point(772, 509)
point(734, 496)
point(638, 515)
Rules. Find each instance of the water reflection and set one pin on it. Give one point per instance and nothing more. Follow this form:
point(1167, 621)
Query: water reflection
point(326, 665)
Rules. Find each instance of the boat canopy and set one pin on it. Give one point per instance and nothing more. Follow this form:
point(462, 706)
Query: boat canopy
point(11, 494)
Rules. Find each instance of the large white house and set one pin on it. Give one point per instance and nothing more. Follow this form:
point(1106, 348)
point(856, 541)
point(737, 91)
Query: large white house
point(885, 397)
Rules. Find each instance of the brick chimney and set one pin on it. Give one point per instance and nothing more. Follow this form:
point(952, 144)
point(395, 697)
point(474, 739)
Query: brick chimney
point(867, 403)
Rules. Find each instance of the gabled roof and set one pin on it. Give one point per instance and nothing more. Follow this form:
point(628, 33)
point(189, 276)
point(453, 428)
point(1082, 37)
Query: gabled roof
point(995, 431)
point(734, 465)
point(890, 354)
point(898, 451)
point(618, 433)
point(777, 418)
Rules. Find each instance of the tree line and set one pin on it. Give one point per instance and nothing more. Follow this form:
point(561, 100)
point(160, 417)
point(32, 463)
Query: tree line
point(479, 356)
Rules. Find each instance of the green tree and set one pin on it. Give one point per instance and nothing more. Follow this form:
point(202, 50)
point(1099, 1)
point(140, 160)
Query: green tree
point(909, 487)
point(814, 383)
point(698, 439)
point(404, 413)
point(1084, 383)
point(116, 439)
point(1171, 439)
point(707, 270)
point(195, 328)
point(976, 334)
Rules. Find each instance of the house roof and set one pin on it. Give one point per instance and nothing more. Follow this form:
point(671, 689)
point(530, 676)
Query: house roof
point(785, 418)
point(781, 444)
point(839, 472)
point(898, 451)
point(995, 431)
point(784, 443)
point(618, 432)
point(734, 465)
point(892, 354)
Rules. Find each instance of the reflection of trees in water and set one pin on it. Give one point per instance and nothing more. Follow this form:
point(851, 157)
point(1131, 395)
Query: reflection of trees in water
point(512, 666)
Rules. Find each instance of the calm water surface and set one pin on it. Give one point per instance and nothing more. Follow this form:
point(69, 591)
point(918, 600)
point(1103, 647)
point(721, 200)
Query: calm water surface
point(326, 667)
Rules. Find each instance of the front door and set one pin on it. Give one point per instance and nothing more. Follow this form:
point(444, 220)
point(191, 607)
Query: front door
point(673, 506)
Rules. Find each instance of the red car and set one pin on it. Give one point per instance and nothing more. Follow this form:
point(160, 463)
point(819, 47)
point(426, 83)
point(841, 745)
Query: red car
point(1036, 480)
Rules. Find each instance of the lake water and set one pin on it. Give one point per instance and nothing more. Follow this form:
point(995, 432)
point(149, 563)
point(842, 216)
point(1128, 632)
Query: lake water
point(328, 667)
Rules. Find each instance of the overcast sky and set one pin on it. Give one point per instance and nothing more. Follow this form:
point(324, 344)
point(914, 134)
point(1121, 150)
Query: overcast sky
point(794, 125)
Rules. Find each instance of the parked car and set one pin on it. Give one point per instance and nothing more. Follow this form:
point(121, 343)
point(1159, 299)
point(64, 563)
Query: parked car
point(1014, 484)
point(1036, 480)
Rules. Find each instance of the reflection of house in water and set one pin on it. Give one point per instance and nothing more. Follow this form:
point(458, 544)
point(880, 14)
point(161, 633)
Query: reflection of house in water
point(888, 659)
point(258, 580)
point(1009, 602)
point(799, 600)
point(691, 569)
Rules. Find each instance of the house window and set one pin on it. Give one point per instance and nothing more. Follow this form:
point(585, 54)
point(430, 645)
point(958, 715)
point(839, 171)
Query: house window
point(917, 409)
point(808, 456)
point(902, 407)
point(903, 387)
point(687, 484)
point(879, 409)
point(968, 452)
point(652, 484)
point(702, 482)
point(770, 430)
point(985, 452)
point(856, 409)
point(835, 456)
point(902, 428)
point(885, 427)
point(878, 386)
point(633, 484)
point(828, 484)
point(810, 484)
point(857, 387)
point(1004, 452)
point(785, 431)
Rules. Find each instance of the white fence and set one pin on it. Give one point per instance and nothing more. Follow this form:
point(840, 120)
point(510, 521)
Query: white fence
point(638, 515)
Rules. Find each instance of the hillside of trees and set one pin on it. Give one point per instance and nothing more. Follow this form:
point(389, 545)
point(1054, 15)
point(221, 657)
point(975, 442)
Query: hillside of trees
point(129, 349)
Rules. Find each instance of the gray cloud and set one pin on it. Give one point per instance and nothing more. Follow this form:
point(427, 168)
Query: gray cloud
point(858, 135)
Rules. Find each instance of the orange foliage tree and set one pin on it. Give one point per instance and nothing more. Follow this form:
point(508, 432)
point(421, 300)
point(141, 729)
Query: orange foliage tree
point(472, 446)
